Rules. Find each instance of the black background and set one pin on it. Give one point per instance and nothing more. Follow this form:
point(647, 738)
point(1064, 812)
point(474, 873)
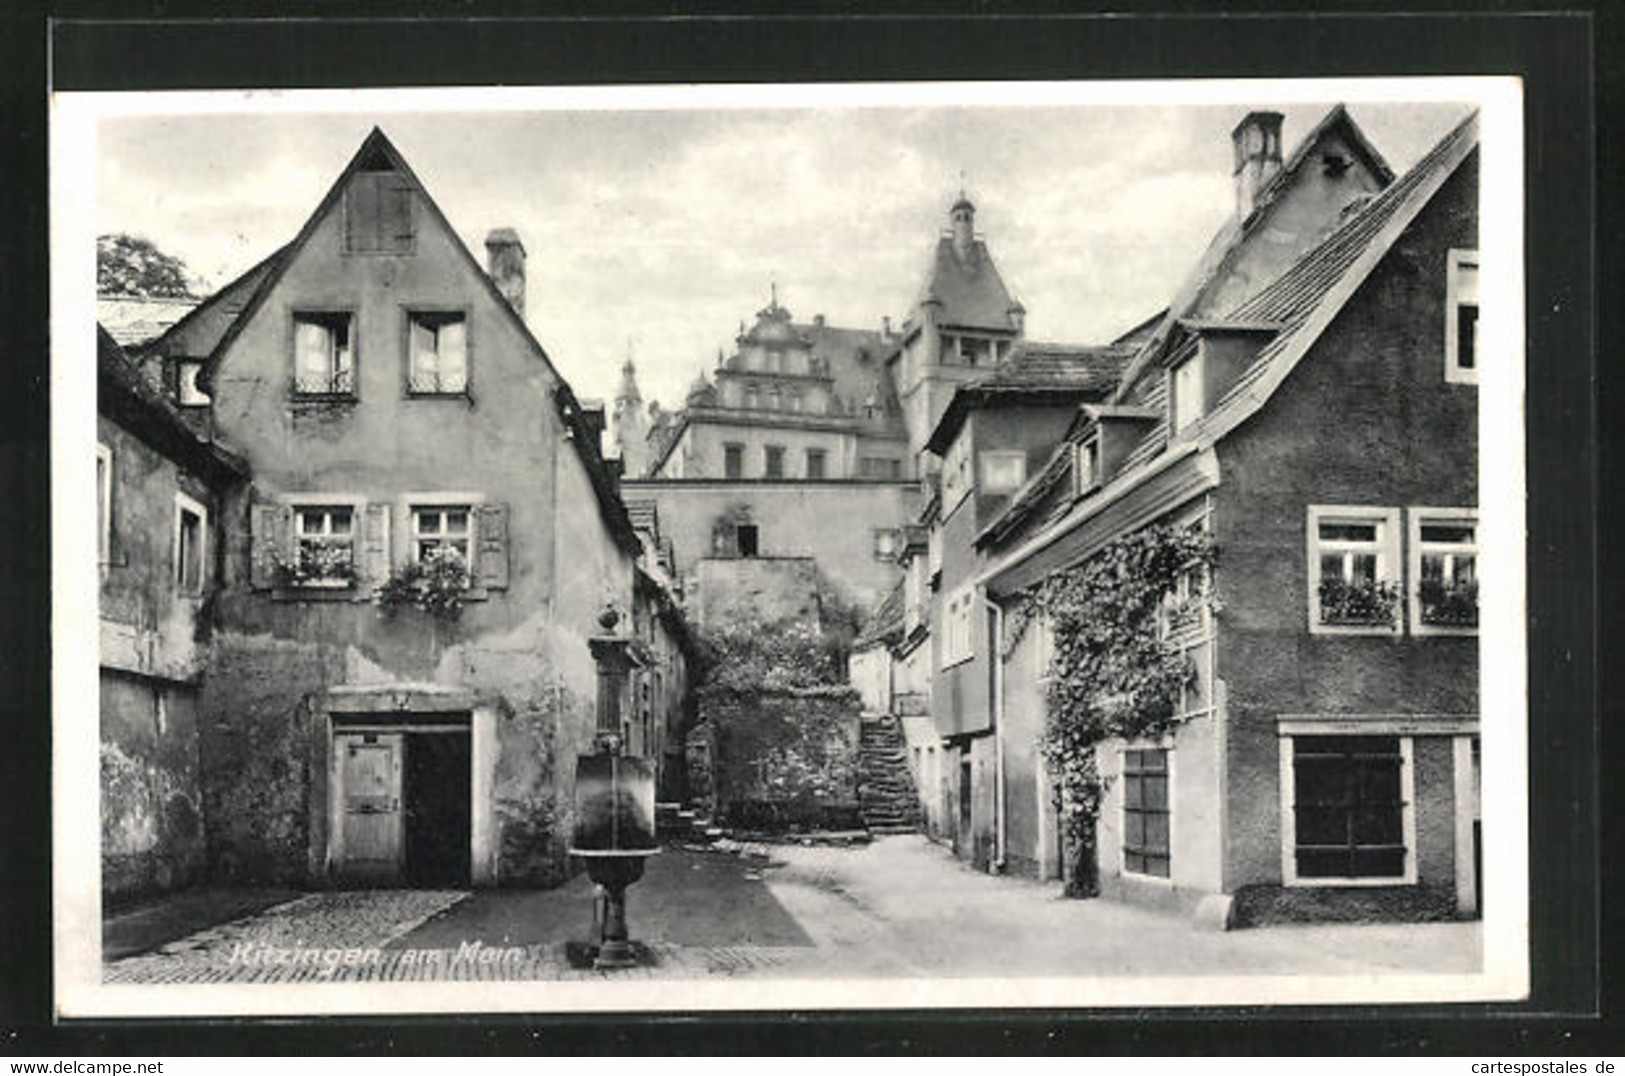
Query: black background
point(1568, 88)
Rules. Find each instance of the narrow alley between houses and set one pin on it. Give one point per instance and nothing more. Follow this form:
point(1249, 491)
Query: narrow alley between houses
point(898, 907)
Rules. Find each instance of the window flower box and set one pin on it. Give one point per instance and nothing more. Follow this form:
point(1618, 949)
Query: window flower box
point(1360, 603)
point(436, 583)
point(1449, 604)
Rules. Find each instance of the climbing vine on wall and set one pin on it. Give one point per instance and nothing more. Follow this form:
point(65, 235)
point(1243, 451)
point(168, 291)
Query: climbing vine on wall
point(1112, 674)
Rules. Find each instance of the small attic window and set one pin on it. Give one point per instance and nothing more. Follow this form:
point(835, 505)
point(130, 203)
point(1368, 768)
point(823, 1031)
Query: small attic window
point(378, 214)
point(1334, 164)
point(1185, 387)
point(376, 160)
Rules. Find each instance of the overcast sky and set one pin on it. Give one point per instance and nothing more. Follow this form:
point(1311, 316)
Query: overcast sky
point(660, 231)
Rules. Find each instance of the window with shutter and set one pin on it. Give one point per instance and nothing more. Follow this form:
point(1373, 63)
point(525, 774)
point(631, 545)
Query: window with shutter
point(378, 214)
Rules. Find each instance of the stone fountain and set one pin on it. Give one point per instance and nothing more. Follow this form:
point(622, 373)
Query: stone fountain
point(615, 802)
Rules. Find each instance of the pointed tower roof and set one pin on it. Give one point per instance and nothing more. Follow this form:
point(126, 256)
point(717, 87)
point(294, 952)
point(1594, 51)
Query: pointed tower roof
point(967, 288)
point(629, 381)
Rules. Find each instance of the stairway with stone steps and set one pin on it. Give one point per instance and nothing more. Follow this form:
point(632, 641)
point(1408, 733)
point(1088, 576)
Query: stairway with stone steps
point(675, 822)
point(887, 798)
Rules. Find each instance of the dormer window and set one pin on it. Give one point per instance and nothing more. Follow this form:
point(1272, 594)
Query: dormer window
point(187, 390)
point(1185, 388)
point(1461, 318)
point(1086, 466)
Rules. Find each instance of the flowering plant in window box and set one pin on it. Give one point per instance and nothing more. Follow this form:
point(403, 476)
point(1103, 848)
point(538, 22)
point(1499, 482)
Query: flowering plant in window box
point(435, 583)
point(1362, 602)
point(315, 566)
point(1448, 604)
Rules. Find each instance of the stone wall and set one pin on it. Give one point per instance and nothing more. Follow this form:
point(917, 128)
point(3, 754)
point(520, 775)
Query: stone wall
point(778, 590)
point(832, 523)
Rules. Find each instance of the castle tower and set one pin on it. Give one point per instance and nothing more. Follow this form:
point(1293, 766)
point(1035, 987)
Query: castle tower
point(630, 422)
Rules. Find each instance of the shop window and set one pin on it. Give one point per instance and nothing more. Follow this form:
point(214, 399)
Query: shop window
point(1348, 811)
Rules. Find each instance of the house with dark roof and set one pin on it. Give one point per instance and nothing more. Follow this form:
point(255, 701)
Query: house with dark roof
point(398, 679)
point(160, 490)
point(1323, 431)
point(995, 430)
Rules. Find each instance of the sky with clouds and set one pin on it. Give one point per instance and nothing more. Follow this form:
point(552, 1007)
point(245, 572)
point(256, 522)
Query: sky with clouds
point(659, 231)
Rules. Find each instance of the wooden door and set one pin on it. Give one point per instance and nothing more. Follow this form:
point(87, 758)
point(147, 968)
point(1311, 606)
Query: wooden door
point(371, 826)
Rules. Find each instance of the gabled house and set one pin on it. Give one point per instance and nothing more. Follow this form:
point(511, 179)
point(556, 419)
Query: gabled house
point(400, 679)
point(992, 433)
point(159, 490)
point(1324, 432)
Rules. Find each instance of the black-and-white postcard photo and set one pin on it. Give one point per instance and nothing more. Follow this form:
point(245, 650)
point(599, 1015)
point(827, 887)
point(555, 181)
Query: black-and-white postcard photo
point(840, 546)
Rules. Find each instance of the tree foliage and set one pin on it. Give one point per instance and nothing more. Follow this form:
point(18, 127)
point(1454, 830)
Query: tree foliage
point(130, 265)
point(1112, 675)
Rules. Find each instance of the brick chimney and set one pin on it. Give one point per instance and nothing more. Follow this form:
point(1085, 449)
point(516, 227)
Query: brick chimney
point(505, 261)
point(1257, 139)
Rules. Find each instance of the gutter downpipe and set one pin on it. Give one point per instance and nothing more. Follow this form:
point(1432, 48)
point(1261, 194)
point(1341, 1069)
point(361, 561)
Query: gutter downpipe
point(997, 688)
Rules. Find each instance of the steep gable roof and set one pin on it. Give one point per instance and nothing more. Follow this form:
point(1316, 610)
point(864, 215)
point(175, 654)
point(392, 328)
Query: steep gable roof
point(125, 395)
point(1237, 233)
point(377, 145)
point(212, 318)
point(1304, 301)
point(132, 320)
point(1306, 298)
point(971, 292)
point(1034, 372)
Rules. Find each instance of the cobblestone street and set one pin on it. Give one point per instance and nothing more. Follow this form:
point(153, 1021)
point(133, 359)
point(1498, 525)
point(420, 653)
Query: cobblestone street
point(898, 908)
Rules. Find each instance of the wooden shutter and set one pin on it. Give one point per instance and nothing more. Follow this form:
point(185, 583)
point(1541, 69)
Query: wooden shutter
point(361, 213)
point(493, 539)
point(375, 560)
point(397, 229)
point(272, 526)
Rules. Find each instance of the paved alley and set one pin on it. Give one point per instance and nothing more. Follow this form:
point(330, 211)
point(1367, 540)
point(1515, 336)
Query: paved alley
point(900, 907)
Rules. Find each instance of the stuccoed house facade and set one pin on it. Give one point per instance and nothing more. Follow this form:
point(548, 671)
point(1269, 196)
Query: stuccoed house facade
point(159, 488)
point(413, 451)
point(981, 782)
point(1325, 759)
point(994, 432)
